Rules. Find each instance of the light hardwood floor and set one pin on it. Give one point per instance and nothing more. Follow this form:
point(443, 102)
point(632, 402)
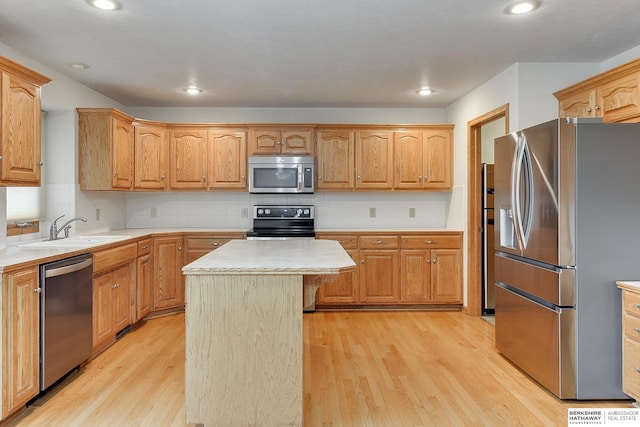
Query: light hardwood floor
point(361, 369)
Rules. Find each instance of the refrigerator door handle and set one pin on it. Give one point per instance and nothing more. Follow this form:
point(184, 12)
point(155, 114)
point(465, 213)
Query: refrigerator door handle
point(526, 218)
point(522, 168)
point(516, 171)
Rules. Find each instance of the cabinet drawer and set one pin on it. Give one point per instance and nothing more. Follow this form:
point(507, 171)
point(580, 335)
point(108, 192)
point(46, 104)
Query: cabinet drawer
point(631, 302)
point(428, 241)
point(205, 242)
point(347, 242)
point(111, 258)
point(144, 247)
point(379, 242)
point(631, 326)
point(631, 368)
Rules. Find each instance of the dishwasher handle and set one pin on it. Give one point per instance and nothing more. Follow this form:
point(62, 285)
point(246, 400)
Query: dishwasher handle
point(54, 272)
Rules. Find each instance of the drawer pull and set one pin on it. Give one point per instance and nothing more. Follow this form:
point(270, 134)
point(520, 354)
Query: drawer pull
point(637, 330)
point(637, 305)
point(637, 370)
point(430, 242)
point(214, 244)
point(379, 242)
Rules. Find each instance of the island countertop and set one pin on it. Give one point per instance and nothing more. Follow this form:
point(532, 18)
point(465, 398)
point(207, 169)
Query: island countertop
point(296, 256)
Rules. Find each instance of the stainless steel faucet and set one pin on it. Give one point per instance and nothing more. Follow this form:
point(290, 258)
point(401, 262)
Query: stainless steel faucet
point(54, 230)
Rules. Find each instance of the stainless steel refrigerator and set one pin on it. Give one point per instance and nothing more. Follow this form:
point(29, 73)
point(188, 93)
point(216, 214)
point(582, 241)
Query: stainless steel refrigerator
point(488, 233)
point(567, 201)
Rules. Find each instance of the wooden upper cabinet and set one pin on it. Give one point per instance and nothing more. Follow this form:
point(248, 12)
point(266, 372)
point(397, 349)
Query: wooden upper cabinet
point(227, 159)
point(151, 152)
point(438, 159)
point(613, 95)
point(188, 158)
point(409, 163)
point(20, 135)
point(106, 146)
point(374, 160)
point(281, 139)
point(335, 155)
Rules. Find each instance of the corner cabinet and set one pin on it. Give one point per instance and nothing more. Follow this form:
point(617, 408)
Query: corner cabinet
point(613, 96)
point(419, 270)
point(20, 125)
point(106, 149)
point(21, 338)
point(168, 281)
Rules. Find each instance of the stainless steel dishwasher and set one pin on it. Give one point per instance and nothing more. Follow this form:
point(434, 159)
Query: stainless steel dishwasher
point(65, 317)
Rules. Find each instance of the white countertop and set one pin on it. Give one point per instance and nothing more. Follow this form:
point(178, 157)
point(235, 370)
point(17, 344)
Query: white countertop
point(630, 284)
point(274, 257)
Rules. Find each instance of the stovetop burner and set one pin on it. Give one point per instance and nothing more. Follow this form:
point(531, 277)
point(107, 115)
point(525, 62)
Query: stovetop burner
point(282, 222)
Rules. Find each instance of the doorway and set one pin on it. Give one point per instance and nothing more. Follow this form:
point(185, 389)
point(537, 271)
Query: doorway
point(488, 123)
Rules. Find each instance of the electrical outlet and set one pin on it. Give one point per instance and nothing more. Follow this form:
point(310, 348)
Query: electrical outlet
point(372, 212)
point(412, 212)
point(245, 213)
point(154, 212)
point(97, 214)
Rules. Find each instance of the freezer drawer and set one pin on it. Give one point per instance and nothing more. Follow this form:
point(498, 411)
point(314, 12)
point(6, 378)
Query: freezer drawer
point(556, 285)
point(537, 339)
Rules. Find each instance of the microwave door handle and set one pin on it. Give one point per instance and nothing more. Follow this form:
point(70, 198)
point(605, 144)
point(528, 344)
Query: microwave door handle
point(300, 178)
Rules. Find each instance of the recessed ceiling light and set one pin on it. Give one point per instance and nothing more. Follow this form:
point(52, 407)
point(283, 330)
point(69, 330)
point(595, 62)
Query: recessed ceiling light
point(77, 65)
point(425, 91)
point(521, 7)
point(192, 90)
point(105, 4)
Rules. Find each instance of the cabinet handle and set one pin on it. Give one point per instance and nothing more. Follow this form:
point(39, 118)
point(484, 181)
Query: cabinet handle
point(358, 177)
point(145, 247)
point(162, 177)
point(114, 286)
point(179, 248)
point(420, 178)
point(637, 370)
point(40, 164)
point(379, 242)
point(37, 290)
point(204, 178)
point(637, 305)
point(243, 177)
point(589, 109)
point(637, 329)
point(597, 107)
point(430, 242)
point(319, 178)
point(214, 244)
point(361, 261)
point(433, 261)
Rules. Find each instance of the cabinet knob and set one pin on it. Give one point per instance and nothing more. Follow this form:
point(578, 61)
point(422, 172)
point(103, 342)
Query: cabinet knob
point(637, 329)
point(361, 261)
point(589, 109)
point(420, 178)
point(433, 261)
point(179, 248)
point(597, 107)
point(358, 177)
point(162, 177)
point(637, 305)
point(37, 290)
point(637, 370)
point(319, 177)
point(243, 177)
point(40, 164)
point(204, 178)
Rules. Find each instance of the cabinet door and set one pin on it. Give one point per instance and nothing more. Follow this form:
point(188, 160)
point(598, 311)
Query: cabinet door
point(20, 132)
point(296, 141)
point(21, 329)
point(374, 160)
point(344, 290)
point(121, 292)
point(102, 310)
point(150, 157)
point(582, 104)
point(438, 160)
point(188, 159)
point(415, 276)
point(335, 154)
point(408, 160)
point(264, 141)
point(379, 276)
point(227, 159)
point(122, 153)
point(446, 277)
point(168, 283)
point(144, 294)
point(620, 98)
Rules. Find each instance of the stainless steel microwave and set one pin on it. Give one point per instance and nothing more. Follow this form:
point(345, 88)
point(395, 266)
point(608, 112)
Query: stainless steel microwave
point(281, 174)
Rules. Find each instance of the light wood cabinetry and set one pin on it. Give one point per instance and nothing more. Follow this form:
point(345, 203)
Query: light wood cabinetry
point(143, 295)
point(335, 151)
point(106, 149)
point(113, 276)
point(281, 139)
point(188, 158)
point(201, 244)
point(631, 340)
point(374, 160)
point(20, 338)
point(168, 281)
point(613, 95)
point(20, 135)
point(424, 159)
point(397, 269)
point(150, 153)
point(227, 159)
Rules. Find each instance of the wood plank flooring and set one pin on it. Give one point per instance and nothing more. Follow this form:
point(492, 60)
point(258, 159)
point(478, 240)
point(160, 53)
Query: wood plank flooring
point(361, 369)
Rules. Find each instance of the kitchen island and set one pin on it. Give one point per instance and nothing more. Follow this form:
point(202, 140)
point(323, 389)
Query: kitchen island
point(244, 305)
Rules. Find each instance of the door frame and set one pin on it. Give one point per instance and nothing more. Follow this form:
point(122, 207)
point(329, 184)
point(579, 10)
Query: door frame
point(474, 197)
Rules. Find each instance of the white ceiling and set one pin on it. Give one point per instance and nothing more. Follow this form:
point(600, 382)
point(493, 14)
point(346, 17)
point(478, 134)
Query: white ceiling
point(308, 53)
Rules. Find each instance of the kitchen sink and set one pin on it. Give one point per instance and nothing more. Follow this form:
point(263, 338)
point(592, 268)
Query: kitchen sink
point(75, 242)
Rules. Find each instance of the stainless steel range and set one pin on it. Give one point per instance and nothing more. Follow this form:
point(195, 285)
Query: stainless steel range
point(282, 222)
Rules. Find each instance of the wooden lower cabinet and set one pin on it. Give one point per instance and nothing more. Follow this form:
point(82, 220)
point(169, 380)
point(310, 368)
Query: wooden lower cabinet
point(168, 281)
point(111, 304)
point(144, 281)
point(630, 340)
point(409, 269)
point(20, 338)
point(199, 245)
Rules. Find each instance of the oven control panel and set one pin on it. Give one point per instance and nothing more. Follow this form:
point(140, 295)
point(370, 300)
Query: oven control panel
point(280, 211)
